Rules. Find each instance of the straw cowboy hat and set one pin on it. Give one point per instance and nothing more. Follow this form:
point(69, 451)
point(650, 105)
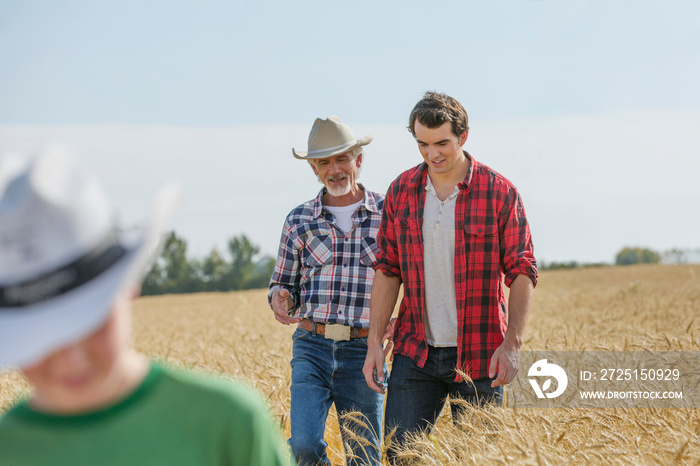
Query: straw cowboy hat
point(63, 260)
point(330, 137)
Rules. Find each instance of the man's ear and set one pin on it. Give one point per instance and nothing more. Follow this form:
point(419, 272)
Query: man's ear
point(463, 138)
point(358, 160)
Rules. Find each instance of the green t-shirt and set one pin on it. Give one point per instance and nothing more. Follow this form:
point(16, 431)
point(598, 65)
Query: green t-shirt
point(172, 418)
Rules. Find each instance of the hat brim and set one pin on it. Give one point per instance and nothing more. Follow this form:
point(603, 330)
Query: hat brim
point(30, 333)
point(334, 151)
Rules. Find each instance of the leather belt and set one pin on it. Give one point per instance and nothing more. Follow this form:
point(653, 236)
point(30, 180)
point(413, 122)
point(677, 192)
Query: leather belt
point(334, 332)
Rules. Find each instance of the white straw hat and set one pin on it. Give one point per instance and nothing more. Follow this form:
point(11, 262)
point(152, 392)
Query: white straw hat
point(330, 137)
point(63, 259)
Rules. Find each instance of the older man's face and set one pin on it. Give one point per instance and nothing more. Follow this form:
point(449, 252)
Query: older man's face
point(338, 173)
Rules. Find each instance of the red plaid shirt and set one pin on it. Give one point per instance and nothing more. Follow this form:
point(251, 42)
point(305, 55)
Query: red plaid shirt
point(492, 240)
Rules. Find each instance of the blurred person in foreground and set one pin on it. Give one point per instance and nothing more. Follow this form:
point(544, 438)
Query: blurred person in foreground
point(68, 278)
point(322, 282)
point(451, 230)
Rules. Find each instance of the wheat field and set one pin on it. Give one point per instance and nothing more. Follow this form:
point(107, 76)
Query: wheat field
point(615, 308)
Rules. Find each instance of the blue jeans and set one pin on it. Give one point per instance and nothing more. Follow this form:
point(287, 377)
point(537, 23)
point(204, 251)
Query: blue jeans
point(325, 372)
point(417, 395)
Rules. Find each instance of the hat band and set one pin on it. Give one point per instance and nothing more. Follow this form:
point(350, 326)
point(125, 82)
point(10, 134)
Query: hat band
point(66, 278)
point(328, 149)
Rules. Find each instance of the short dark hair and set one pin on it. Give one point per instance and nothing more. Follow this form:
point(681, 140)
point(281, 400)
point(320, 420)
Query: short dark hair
point(435, 109)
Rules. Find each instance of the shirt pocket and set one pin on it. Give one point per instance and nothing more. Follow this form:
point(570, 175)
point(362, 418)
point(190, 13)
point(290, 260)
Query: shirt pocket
point(318, 251)
point(482, 241)
point(408, 242)
point(369, 252)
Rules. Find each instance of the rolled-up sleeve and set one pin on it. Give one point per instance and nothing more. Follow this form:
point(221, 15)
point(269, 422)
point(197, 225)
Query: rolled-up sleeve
point(517, 251)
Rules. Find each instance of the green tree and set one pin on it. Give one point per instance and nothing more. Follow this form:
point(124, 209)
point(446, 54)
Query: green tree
point(171, 272)
point(213, 272)
point(629, 256)
point(154, 280)
point(241, 268)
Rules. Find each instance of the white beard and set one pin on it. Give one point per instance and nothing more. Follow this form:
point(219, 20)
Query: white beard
point(337, 191)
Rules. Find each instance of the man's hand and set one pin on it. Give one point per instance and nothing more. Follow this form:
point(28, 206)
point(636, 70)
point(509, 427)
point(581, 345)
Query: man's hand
point(389, 335)
point(281, 303)
point(506, 359)
point(374, 366)
point(385, 290)
point(375, 359)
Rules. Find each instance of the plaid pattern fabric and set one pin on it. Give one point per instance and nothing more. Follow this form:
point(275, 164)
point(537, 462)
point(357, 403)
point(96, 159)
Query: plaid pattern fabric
point(329, 273)
point(492, 242)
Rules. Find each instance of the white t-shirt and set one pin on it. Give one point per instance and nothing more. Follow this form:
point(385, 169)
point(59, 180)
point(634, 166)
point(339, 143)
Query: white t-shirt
point(343, 215)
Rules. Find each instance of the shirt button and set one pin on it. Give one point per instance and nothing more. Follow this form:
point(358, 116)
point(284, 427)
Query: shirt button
point(479, 230)
point(438, 221)
point(442, 203)
point(347, 239)
point(342, 289)
point(345, 265)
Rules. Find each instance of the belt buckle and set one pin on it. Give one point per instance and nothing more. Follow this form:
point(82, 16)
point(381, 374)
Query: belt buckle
point(338, 332)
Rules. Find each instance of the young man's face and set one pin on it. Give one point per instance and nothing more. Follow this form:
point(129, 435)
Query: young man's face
point(338, 173)
point(88, 373)
point(440, 148)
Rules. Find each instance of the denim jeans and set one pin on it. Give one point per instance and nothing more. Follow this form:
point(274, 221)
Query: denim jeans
point(417, 395)
point(325, 372)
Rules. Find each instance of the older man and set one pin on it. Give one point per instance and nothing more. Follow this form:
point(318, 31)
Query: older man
point(322, 282)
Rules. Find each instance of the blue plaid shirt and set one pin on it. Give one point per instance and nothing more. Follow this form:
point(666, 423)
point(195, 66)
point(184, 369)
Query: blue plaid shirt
point(329, 272)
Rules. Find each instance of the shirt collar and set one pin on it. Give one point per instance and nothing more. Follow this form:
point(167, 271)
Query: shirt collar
point(368, 201)
point(469, 177)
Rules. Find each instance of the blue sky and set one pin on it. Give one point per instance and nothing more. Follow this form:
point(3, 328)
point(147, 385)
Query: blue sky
point(590, 108)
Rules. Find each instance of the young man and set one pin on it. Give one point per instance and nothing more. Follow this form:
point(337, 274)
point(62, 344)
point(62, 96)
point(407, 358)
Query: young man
point(67, 281)
point(452, 228)
point(324, 274)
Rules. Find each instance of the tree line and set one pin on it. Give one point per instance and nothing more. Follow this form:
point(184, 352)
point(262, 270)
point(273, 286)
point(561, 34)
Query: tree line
point(626, 256)
point(174, 272)
point(635, 255)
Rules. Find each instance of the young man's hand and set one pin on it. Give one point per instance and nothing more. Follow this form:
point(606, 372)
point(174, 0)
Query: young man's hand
point(505, 360)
